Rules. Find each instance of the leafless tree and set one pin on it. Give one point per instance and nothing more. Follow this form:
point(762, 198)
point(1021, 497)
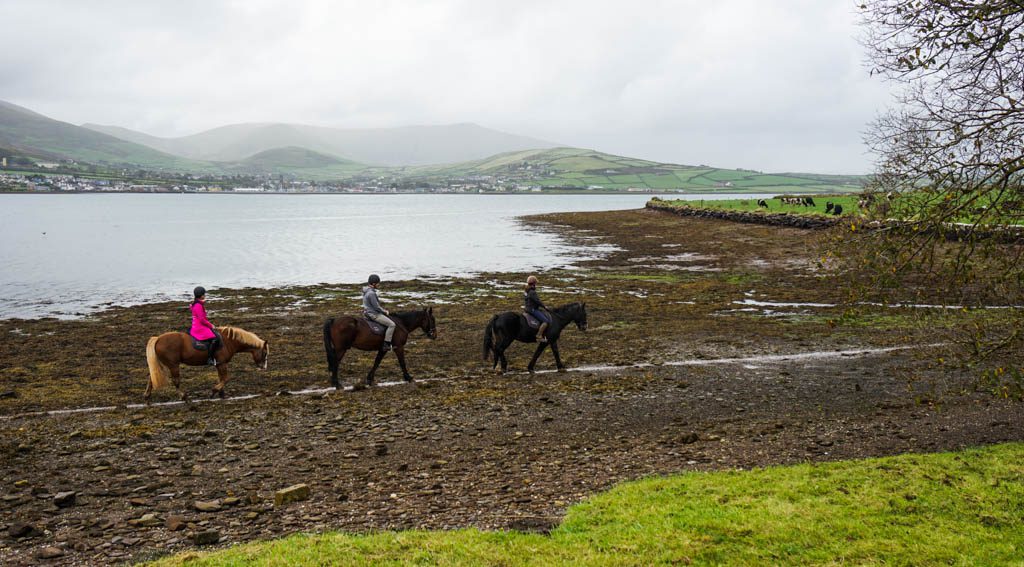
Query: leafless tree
point(952, 150)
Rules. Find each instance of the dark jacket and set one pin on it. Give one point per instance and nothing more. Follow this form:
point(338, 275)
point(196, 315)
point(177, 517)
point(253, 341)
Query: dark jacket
point(531, 301)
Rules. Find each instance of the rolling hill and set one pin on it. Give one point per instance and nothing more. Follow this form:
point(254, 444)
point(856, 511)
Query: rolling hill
point(583, 168)
point(296, 162)
point(329, 154)
point(409, 145)
point(32, 134)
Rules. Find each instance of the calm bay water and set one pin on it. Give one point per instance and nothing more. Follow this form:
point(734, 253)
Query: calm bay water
point(67, 255)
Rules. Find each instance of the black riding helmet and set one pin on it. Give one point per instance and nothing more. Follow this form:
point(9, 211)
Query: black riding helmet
point(373, 279)
point(199, 291)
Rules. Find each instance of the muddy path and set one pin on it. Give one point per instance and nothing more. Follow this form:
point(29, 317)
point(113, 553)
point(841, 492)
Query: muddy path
point(711, 345)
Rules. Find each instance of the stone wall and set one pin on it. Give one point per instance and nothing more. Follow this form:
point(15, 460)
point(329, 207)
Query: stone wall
point(774, 219)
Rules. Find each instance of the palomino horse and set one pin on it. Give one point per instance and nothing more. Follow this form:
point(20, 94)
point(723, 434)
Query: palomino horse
point(166, 352)
point(511, 326)
point(345, 332)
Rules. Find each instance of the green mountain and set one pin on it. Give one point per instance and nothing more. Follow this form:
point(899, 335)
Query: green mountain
point(298, 162)
point(33, 134)
point(409, 145)
point(582, 168)
point(327, 154)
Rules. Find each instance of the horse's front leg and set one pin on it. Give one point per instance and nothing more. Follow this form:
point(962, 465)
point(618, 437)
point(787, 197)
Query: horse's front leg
point(222, 380)
point(558, 356)
point(400, 353)
point(536, 355)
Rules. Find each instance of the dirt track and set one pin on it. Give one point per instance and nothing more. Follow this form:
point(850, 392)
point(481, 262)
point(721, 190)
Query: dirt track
point(465, 447)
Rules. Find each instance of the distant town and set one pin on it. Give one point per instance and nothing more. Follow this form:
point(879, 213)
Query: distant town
point(47, 177)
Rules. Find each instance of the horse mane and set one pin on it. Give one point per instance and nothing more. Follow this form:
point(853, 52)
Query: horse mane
point(242, 336)
point(567, 307)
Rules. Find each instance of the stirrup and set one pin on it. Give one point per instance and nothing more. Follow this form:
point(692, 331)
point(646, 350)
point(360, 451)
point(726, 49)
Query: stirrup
point(386, 346)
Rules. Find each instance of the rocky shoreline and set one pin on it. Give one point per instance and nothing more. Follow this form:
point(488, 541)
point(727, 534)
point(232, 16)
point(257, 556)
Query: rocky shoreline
point(712, 345)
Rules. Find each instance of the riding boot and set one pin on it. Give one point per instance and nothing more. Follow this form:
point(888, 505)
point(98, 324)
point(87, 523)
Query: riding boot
point(212, 353)
point(541, 338)
point(386, 346)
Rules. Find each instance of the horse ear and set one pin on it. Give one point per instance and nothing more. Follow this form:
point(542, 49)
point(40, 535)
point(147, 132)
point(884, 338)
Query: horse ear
point(430, 310)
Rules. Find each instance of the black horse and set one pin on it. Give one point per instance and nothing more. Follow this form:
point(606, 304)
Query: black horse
point(510, 326)
point(345, 332)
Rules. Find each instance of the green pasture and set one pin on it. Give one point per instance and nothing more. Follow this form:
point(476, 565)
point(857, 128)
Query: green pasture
point(775, 204)
point(960, 508)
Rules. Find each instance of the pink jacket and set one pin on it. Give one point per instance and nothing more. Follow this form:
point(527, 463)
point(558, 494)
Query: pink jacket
point(201, 329)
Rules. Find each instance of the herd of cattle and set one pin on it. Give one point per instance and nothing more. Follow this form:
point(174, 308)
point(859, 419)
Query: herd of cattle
point(867, 200)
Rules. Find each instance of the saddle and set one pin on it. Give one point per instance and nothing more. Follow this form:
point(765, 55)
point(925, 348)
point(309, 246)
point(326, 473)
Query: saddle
point(201, 345)
point(532, 321)
point(375, 327)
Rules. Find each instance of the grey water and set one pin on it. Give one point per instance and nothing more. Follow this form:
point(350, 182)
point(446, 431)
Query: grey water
point(73, 254)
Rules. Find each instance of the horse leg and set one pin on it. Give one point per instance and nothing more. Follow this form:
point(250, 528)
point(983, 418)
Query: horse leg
point(536, 355)
point(222, 380)
point(400, 353)
point(369, 377)
point(337, 367)
point(500, 353)
point(558, 357)
point(149, 392)
point(176, 380)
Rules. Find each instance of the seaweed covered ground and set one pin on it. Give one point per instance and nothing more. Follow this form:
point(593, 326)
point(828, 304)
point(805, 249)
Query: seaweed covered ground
point(711, 345)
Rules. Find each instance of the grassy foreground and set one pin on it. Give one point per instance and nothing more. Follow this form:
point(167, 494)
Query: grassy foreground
point(961, 508)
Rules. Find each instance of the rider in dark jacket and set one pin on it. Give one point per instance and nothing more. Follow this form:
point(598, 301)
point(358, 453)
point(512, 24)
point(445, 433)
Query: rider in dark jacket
point(534, 306)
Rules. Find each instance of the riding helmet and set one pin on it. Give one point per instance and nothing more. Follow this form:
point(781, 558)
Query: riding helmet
point(532, 280)
point(373, 279)
point(199, 291)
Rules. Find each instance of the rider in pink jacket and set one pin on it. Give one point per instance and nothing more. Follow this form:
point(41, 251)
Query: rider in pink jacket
point(202, 329)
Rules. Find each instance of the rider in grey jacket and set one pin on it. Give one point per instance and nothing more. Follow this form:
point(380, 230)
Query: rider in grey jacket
point(373, 310)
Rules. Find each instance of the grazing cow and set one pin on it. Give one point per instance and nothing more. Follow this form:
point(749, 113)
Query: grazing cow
point(808, 201)
point(837, 210)
point(828, 207)
point(762, 203)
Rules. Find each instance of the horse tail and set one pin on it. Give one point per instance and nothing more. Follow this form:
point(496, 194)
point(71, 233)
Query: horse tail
point(159, 373)
point(332, 356)
point(489, 339)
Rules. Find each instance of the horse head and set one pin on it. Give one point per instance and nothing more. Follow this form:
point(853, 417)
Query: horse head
point(580, 317)
point(575, 312)
point(429, 325)
point(261, 355)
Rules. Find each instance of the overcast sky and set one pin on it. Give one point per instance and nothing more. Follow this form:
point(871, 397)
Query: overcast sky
point(771, 85)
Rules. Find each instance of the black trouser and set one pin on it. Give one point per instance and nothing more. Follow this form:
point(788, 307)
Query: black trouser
point(212, 345)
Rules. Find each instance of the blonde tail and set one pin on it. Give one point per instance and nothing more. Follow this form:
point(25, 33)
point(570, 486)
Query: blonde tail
point(158, 371)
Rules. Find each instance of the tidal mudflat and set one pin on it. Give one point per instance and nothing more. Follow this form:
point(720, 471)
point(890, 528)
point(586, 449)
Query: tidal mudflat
point(711, 345)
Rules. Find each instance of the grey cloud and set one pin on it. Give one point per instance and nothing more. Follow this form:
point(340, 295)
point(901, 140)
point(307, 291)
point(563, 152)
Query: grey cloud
point(739, 83)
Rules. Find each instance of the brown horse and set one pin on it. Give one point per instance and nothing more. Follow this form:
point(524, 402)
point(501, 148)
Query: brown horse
point(166, 352)
point(345, 332)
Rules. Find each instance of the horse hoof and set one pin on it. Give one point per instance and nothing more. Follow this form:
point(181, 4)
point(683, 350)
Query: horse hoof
point(358, 387)
point(562, 369)
point(407, 378)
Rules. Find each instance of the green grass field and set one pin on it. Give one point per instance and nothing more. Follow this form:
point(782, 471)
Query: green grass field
point(775, 204)
point(960, 508)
